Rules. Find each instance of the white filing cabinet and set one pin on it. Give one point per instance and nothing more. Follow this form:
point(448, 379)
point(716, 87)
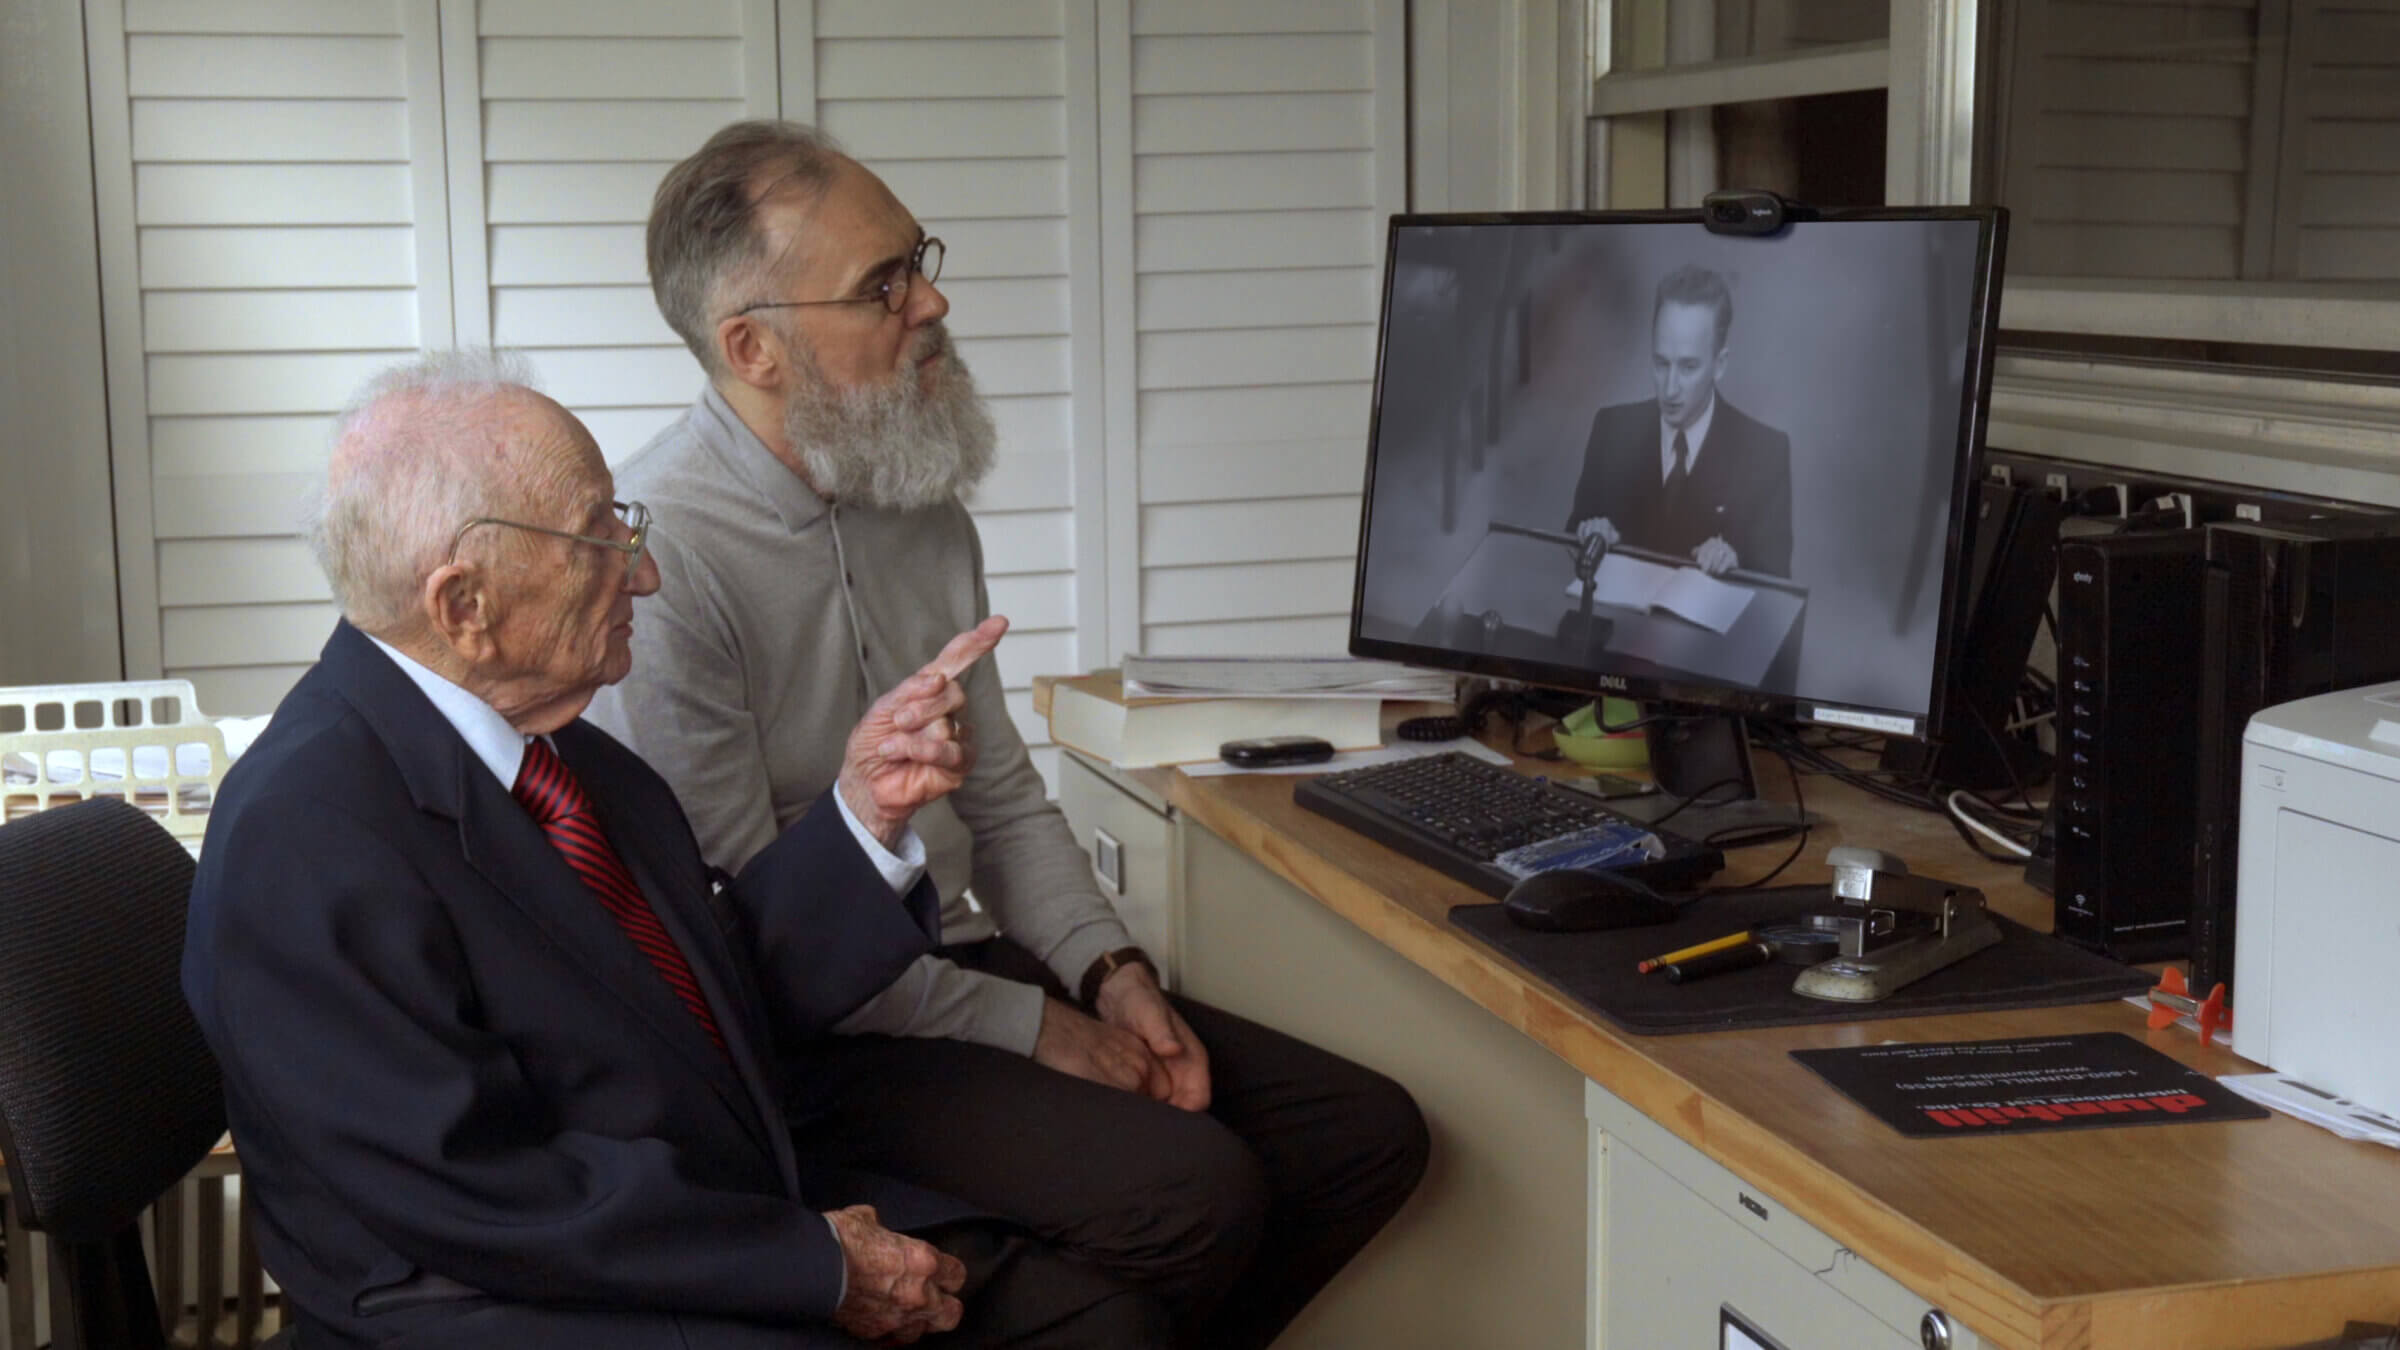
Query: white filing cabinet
point(1677, 1239)
point(1130, 835)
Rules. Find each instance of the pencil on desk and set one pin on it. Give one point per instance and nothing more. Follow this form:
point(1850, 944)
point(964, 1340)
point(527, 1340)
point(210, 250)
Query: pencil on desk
point(1699, 949)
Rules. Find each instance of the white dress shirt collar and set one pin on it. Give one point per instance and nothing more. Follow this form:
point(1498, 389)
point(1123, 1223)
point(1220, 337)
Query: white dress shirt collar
point(500, 746)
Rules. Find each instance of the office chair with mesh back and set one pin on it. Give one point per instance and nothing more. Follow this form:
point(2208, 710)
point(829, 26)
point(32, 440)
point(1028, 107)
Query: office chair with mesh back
point(108, 1095)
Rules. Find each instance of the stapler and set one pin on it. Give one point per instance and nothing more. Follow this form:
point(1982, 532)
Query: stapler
point(1894, 928)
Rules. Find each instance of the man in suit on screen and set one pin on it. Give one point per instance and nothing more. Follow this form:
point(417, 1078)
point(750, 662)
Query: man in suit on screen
point(1687, 473)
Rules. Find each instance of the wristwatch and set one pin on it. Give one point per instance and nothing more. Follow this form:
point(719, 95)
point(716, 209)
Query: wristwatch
point(1107, 964)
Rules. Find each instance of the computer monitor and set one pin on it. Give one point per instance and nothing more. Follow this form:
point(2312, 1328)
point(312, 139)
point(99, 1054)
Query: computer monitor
point(1726, 473)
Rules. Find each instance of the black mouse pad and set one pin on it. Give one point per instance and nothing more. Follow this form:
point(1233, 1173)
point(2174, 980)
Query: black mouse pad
point(2025, 969)
point(2031, 1083)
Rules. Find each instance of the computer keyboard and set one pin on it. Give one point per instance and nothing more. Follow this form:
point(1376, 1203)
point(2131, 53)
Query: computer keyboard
point(1457, 813)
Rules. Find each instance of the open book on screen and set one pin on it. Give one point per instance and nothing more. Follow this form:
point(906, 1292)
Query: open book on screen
point(1632, 583)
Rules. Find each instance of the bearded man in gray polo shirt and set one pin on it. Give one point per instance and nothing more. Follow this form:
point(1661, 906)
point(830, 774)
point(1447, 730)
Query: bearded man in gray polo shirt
point(812, 547)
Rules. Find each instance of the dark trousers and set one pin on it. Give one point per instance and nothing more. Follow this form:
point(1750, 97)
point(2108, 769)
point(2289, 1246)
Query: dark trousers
point(1022, 1293)
point(1233, 1218)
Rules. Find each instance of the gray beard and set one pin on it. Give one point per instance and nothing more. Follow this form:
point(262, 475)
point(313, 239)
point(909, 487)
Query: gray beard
point(897, 445)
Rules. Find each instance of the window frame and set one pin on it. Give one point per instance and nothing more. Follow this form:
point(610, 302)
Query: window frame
point(2335, 435)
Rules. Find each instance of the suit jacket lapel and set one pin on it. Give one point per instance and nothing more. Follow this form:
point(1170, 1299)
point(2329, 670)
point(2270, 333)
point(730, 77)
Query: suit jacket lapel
point(504, 845)
point(689, 919)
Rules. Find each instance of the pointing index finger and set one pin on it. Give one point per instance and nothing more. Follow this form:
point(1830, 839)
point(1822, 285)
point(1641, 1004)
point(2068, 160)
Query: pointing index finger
point(969, 647)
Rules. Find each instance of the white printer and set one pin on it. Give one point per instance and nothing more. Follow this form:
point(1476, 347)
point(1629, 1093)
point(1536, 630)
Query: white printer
point(2316, 954)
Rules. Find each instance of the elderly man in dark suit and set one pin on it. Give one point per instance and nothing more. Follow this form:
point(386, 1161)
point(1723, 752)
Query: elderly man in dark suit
point(508, 1067)
point(1687, 473)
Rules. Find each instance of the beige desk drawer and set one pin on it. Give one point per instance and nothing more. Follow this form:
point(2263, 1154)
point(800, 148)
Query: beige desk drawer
point(1132, 845)
point(1680, 1237)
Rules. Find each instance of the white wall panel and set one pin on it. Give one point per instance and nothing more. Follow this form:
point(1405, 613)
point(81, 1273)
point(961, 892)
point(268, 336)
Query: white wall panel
point(1035, 602)
point(602, 68)
point(1312, 635)
point(269, 257)
point(312, 382)
point(1181, 473)
point(1245, 591)
point(232, 505)
point(1220, 416)
point(238, 572)
point(1017, 365)
point(303, 130)
point(622, 432)
point(572, 194)
point(272, 194)
point(1172, 124)
point(609, 18)
point(617, 377)
point(971, 67)
point(1021, 656)
point(999, 248)
point(1205, 534)
point(1018, 542)
point(1252, 16)
point(567, 255)
point(581, 110)
point(1260, 299)
point(1263, 158)
point(586, 316)
point(257, 688)
point(1004, 128)
point(582, 129)
point(219, 321)
point(296, 17)
point(983, 19)
point(1251, 182)
point(200, 445)
point(1239, 241)
point(1027, 480)
point(246, 635)
point(1239, 357)
point(1001, 306)
point(277, 66)
point(955, 189)
point(1033, 422)
point(1252, 64)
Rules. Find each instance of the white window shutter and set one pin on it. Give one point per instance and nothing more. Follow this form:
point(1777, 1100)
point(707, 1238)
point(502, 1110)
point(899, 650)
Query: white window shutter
point(267, 173)
point(1266, 150)
point(966, 112)
point(2339, 214)
point(565, 114)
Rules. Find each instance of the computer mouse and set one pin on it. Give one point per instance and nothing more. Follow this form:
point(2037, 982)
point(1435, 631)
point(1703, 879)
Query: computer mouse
point(1571, 901)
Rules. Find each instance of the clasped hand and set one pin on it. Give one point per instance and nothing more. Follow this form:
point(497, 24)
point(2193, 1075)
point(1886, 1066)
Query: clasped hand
point(1138, 1042)
point(897, 1287)
point(911, 748)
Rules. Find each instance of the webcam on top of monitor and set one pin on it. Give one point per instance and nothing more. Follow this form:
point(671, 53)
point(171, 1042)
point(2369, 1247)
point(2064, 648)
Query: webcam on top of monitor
point(1749, 211)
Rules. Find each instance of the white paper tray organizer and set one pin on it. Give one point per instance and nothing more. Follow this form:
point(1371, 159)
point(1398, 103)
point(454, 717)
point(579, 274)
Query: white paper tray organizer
point(143, 740)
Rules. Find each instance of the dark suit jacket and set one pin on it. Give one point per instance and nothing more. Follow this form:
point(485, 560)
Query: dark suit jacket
point(1740, 487)
point(470, 1111)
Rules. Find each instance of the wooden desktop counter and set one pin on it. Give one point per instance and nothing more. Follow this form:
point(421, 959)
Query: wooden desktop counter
point(2232, 1236)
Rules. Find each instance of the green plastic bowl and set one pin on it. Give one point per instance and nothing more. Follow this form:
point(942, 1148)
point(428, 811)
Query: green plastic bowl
point(1580, 739)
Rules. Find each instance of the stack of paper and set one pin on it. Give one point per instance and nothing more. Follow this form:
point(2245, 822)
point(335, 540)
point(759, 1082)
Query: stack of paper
point(2315, 1105)
point(1633, 583)
point(1095, 714)
point(1281, 677)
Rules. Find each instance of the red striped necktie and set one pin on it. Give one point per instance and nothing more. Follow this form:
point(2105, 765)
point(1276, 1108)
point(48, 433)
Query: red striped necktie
point(558, 804)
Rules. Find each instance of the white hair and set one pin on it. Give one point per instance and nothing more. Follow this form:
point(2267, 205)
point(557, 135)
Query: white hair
point(403, 476)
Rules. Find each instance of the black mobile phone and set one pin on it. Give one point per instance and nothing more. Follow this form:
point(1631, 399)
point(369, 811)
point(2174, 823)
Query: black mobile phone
point(1265, 752)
